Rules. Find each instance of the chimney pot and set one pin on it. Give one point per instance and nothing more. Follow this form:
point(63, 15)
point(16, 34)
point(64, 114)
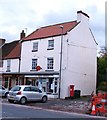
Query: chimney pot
point(22, 34)
point(2, 41)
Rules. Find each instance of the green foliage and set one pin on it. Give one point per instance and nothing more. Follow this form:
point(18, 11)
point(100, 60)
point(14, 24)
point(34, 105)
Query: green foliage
point(103, 86)
point(102, 70)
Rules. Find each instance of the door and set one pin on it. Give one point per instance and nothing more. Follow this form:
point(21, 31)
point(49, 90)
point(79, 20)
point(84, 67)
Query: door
point(28, 93)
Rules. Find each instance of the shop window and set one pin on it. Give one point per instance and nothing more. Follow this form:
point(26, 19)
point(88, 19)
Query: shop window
point(16, 81)
point(6, 82)
point(28, 82)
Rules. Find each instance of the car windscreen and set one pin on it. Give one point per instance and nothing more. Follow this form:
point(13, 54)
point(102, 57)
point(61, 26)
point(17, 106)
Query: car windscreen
point(16, 88)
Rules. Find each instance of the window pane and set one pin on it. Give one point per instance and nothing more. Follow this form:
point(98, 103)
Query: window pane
point(34, 64)
point(34, 89)
point(51, 44)
point(50, 63)
point(27, 89)
point(16, 88)
point(35, 46)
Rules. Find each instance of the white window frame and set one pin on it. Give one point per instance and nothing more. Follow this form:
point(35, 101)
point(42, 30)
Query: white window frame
point(35, 46)
point(51, 44)
point(34, 64)
point(8, 65)
point(50, 63)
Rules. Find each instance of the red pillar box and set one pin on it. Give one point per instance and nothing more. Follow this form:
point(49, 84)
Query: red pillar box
point(71, 90)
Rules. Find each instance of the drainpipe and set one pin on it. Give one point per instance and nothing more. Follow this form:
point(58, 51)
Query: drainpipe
point(60, 60)
point(19, 59)
point(19, 65)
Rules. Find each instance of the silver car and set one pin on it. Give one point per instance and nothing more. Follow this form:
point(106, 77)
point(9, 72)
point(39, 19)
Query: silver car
point(3, 91)
point(24, 93)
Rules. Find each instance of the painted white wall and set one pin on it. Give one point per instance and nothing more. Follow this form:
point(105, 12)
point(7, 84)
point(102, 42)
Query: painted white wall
point(79, 61)
point(14, 67)
point(42, 54)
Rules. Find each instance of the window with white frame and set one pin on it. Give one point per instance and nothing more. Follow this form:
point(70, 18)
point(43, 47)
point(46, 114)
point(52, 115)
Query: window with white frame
point(35, 46)
point(8, 65)
point(50, 63)
point(34, 64)
point(50, 44)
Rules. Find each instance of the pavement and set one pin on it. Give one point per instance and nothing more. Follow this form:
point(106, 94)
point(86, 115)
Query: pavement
point(80, 105)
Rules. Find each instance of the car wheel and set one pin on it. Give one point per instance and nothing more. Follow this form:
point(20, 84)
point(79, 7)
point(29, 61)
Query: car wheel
point(23, 100)
point(44, 99)
point(10, 101)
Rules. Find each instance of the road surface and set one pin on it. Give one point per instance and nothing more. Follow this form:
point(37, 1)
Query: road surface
point(13, 111)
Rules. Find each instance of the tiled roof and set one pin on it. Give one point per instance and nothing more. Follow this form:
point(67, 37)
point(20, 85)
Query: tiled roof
point(11, 50)
point(50, 31)
point(15, 53)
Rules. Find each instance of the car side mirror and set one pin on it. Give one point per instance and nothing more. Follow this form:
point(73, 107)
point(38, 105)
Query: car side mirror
point(3, 88)
point(40, 91)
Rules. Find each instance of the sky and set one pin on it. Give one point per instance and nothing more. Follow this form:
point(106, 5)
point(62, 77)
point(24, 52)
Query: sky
point(28, 15)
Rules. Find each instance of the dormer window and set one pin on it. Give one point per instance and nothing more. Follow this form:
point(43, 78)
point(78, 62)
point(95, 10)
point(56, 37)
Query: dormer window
point(35, 47)
point(50, 44)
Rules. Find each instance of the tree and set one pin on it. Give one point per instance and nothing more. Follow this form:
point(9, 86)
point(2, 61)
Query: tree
point(102, 70)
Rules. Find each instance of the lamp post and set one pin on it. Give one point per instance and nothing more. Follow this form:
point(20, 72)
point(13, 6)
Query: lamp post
point(60, 59)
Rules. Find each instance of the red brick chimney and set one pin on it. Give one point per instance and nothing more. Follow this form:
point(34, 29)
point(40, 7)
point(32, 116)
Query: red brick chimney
point(22, 34)
point(82, 17)
point(2, 41)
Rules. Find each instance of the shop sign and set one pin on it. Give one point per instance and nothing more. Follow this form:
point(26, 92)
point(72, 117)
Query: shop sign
point(38, 68)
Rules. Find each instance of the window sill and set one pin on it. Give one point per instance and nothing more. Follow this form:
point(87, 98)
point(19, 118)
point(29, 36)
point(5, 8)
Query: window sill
point(33, 70)
point(50, 70)
point(34, 50)
point(50, 48)
point(8, 71)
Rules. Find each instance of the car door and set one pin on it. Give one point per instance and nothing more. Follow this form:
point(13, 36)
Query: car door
point(36, 94)
point(27, 93)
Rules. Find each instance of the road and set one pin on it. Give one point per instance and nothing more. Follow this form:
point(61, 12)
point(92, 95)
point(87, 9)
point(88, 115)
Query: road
point(13, 111)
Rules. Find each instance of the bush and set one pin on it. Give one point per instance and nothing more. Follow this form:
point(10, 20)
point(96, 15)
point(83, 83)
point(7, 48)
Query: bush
point(103, 86)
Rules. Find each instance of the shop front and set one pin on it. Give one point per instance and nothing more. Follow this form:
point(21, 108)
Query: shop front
point(9, 80)
point(46, 81)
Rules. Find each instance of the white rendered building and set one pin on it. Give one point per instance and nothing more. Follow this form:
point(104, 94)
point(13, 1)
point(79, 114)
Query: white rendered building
point(57, 56)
